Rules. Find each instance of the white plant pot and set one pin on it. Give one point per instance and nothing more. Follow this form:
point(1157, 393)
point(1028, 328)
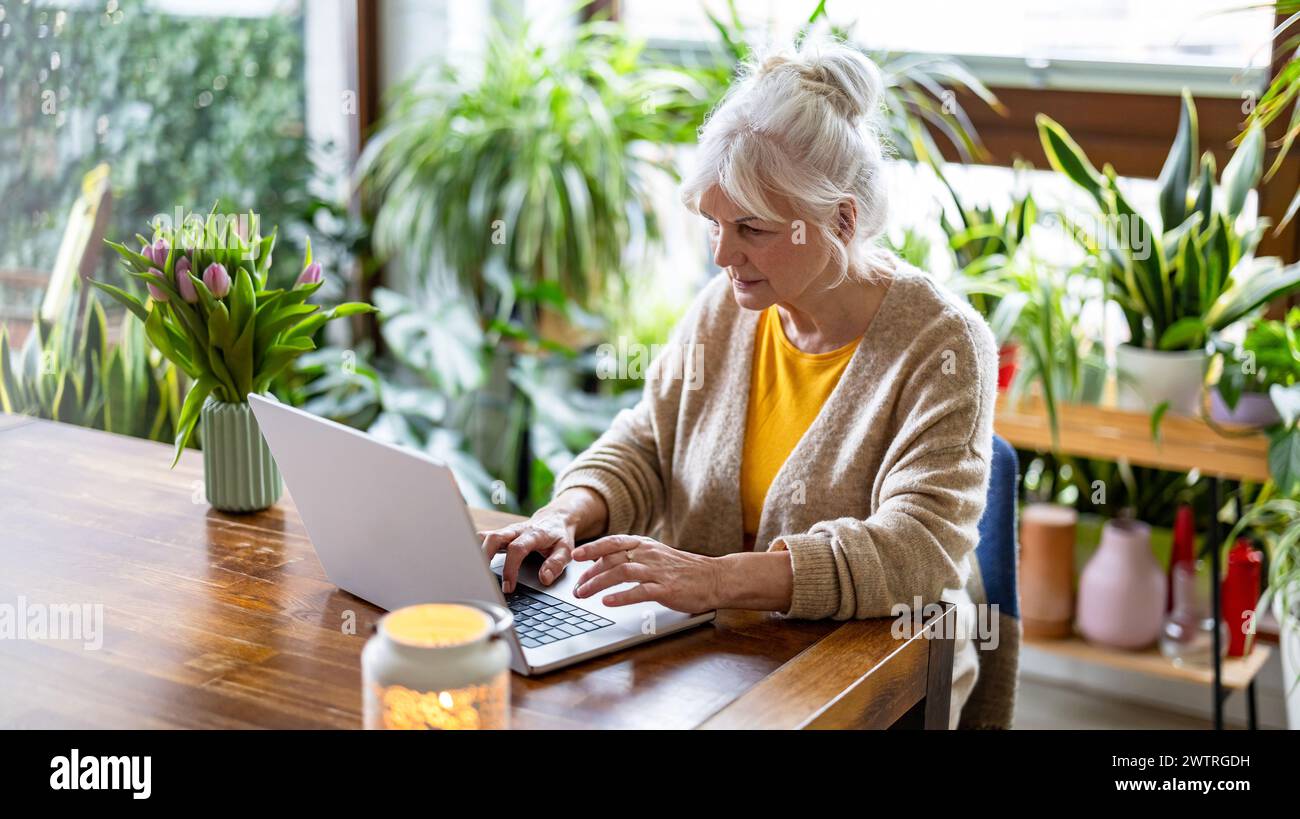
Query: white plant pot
point(1289, 642)
point(1149, 378)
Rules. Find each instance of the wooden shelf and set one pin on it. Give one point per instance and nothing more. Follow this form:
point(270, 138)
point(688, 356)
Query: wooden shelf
point(1237, 671)
point(1088, 431)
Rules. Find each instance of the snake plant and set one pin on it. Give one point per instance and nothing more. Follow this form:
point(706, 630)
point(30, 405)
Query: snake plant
point(67, 371)
point(1199, 273)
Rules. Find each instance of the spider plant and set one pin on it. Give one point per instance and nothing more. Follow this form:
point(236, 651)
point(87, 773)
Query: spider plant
point(1275, 521)
point(1280, 95)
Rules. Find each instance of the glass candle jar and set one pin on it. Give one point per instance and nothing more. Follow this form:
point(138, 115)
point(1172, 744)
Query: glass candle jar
point(438, 666)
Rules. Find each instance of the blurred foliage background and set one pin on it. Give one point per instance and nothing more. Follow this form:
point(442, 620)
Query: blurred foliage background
point(485, 352)
point(187, 111)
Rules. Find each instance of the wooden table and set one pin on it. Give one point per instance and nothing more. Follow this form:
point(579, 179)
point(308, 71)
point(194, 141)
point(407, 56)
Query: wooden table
point(225, 621)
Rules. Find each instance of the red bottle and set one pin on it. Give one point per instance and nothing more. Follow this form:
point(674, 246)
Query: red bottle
point(1240, 593)
point(1183, 551)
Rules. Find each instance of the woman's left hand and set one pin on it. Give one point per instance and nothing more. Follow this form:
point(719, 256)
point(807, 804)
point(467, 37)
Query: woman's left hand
point(679, 580)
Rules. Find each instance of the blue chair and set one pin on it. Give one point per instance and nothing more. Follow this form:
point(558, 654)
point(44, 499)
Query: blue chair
point(992, 703)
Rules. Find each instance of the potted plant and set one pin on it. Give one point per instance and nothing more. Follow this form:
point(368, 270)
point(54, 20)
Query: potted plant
point(68, 371)
point(1269, 355)
point(1028, 303)
point(1194, 277)
point(1276, 523)
point(210, 313)
point(983, 246)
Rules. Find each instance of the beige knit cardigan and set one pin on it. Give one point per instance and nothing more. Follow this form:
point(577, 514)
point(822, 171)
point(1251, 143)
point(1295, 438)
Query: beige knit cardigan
point(880, 500)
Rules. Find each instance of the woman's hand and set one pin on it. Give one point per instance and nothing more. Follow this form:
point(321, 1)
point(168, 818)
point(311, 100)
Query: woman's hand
point(679, 580)
point(551, 531)
point(547, 532)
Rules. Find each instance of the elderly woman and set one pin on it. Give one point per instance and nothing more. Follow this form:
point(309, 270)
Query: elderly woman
point(831, 459)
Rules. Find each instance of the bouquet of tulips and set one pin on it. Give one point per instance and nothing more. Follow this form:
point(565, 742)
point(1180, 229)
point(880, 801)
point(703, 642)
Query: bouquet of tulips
point(209, 311)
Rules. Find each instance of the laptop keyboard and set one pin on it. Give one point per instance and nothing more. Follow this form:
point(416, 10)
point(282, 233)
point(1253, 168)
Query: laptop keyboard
point(541, 619)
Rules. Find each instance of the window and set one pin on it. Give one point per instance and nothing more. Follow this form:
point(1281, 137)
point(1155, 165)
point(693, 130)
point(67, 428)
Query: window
point(188, 102)
point(1148, 46)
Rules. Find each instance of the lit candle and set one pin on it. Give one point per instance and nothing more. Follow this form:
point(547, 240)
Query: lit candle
point(438, 666)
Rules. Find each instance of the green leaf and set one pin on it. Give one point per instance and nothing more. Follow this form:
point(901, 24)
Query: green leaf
point(1175, 177)
point(137, 262)
point(9, 389)
point(225, 381)
point(308, 326)
point(189, 416)
point(1242, 172)
point(1205, 193)
point(239, 359)
point(1284, 458)
point(220, 332)
point(116, 413)
point(1065, 155)
point(1158, 415)
point(155, 328)
point(243, 301)
point(1188, 333)
point(269, 326)
point(126, 299)
point(1287, 402)
point(278, 357)
point(352, 308)
point(1252, 284)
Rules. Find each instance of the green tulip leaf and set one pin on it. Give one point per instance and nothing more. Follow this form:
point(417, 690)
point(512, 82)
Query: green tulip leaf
point(243, 301)
point(189, 416)
point(126, 299)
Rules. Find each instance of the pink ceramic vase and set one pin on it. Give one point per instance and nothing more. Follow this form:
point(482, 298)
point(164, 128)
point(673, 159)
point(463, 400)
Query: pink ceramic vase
point(1122, 589)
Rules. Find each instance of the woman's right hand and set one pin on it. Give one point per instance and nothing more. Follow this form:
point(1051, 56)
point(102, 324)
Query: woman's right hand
point(547, 532)
point(575, 513)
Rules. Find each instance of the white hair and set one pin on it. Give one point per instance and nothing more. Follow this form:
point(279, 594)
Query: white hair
point(802, 125)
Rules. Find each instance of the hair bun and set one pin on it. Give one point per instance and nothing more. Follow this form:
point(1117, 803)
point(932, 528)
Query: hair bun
point(841, 74)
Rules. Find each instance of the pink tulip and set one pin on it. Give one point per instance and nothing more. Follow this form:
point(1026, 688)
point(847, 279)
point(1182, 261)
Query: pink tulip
point(217, 280)
point(182, 266)
point(155, 291)
point(186, 286)
point(311, 274)
point(160, 253)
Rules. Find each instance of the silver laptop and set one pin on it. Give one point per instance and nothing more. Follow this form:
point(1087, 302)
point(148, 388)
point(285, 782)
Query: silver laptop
point(390, 526)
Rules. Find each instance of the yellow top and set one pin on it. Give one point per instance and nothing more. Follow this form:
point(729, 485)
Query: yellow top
point(787, 388)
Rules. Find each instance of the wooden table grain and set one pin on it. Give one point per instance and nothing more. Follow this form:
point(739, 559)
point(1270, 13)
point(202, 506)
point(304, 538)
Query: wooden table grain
point(227, 621)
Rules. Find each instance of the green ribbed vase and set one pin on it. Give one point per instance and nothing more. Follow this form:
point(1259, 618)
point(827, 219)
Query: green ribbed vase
point(238, 471)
